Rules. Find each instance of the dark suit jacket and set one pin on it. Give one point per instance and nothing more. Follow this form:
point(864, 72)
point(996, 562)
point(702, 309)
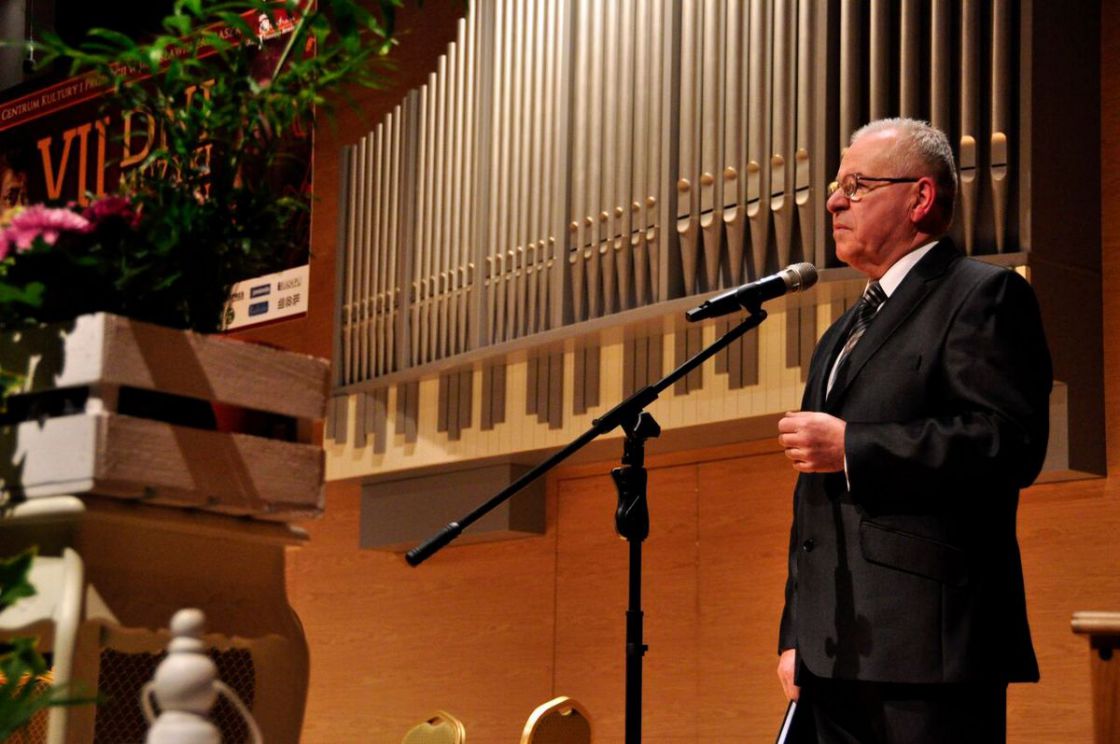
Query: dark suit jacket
point(914, 575)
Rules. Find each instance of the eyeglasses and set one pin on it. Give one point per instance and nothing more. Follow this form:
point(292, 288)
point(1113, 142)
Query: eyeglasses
point(850, 184)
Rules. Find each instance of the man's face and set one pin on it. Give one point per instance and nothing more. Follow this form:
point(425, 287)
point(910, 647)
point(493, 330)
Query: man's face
point(874, 231)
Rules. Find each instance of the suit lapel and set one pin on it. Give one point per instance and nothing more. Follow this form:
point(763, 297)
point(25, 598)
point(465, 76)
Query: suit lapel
point(830, 345)
point(906, 299)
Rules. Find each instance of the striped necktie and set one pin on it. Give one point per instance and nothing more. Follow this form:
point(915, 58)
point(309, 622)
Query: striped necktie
point(873, 297)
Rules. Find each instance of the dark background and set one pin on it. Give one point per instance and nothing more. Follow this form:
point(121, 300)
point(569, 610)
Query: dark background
point(21, 20)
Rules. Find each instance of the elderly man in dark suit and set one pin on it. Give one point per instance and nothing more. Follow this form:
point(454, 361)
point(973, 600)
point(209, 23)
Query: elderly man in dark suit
point(925, 412)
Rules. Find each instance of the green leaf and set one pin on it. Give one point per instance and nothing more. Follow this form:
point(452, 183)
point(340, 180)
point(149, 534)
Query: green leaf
point(30, 294)
point(13, 578)
point(114, 38)
point(235, 21)
point(194, 7)
point(178, 24)
point(22, 694)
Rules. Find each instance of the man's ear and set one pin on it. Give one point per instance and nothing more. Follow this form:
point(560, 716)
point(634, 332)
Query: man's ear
point(923, 207)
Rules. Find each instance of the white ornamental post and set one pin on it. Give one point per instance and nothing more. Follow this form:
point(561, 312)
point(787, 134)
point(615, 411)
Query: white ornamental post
point(186, 687)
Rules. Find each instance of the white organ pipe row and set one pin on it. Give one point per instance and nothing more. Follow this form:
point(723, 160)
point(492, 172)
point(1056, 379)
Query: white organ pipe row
point(570, 159)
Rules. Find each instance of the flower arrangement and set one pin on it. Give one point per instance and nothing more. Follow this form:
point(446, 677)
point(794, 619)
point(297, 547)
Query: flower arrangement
point(213, 201)
point(59, 262)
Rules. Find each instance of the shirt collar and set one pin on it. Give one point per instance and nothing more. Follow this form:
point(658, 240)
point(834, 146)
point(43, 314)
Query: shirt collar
point(900, 268)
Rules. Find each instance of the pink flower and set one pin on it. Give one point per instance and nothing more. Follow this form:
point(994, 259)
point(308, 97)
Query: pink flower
point(40, 222)
point(111, 207)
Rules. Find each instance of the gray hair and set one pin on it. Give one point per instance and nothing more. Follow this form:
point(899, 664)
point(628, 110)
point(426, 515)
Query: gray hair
point(921, 150)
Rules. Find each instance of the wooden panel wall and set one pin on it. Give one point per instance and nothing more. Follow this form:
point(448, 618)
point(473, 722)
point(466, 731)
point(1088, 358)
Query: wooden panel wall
point(489, 631)
point(1067, 534)
point(1110, 221)
point(470, 632)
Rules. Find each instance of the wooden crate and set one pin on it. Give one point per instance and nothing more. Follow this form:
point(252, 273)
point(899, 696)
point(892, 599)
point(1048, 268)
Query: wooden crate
point(77, 435)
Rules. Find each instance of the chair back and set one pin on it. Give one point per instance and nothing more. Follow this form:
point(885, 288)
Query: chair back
point(441, 728)
point(559, 721)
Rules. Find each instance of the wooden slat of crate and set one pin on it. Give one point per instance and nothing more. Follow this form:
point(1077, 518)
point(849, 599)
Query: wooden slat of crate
point(106, 349)
point(132, 458)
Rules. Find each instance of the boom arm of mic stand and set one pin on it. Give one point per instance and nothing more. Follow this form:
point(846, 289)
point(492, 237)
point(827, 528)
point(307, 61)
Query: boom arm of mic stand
point(627, 409)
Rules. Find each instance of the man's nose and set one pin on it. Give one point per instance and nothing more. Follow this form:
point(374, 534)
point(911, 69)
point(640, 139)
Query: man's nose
point(836, 201)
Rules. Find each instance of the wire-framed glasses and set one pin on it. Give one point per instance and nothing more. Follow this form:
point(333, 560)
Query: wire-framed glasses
point(851, 184)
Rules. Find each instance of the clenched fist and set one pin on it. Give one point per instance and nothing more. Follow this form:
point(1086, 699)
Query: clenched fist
point(814, 441)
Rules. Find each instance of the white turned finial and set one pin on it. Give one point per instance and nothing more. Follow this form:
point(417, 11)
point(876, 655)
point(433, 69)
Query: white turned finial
point(186, 686)
point(187, 627)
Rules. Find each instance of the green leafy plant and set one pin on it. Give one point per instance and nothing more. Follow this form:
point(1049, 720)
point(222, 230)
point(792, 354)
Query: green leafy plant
point(212, 202)
point(24, 690)
point(21, 664)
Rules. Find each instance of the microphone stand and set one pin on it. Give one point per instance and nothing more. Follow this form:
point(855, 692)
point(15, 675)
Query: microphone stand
point(632, 513)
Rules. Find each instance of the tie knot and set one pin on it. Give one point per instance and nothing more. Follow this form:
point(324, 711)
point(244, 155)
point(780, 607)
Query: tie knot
point(874, 296)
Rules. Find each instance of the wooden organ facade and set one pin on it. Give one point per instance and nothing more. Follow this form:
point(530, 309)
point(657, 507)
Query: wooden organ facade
point(522, 234)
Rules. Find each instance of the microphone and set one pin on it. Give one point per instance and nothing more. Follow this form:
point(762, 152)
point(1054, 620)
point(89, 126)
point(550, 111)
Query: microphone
point(794, 278)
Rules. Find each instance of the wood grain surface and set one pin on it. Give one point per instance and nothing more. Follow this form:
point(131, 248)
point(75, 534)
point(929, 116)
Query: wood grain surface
point(490, 631)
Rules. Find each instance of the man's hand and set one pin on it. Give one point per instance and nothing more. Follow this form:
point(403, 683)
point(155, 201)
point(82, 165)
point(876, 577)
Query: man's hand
point(814, 441)
point(787, 662)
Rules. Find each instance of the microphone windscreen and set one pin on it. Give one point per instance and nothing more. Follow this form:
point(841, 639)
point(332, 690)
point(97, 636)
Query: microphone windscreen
point(801, 276)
